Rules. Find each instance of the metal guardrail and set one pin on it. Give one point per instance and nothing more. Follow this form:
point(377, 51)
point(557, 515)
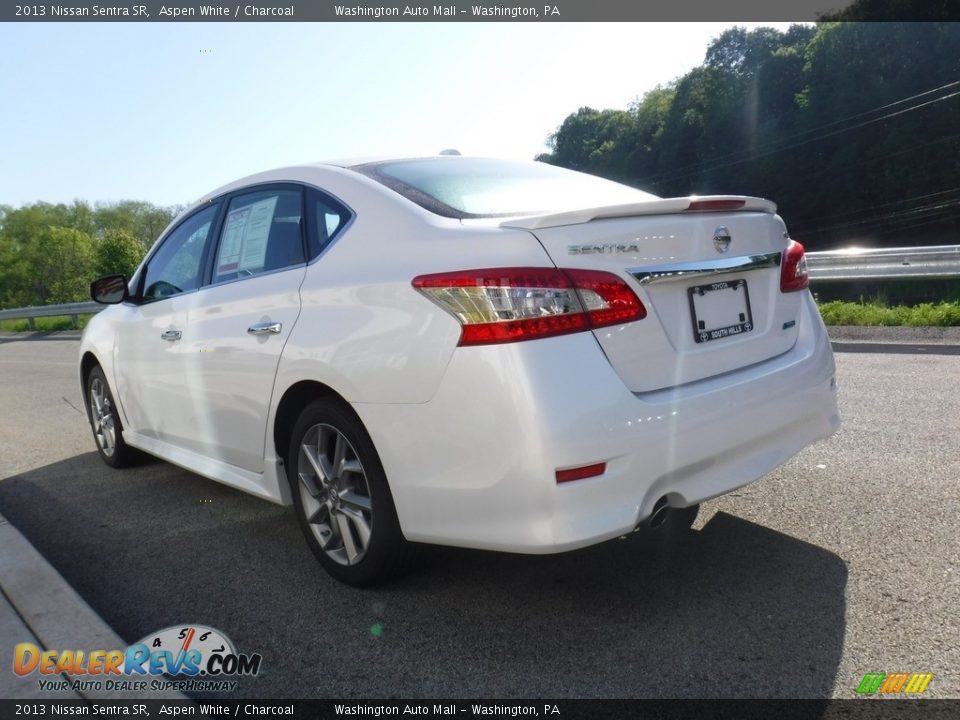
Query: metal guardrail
point(929, 262)
point(932, 261)
point(73, 310)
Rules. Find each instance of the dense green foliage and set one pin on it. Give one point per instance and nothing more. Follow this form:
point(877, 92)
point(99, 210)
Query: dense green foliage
point(853, 128)
point(943, 314)
point(50, 253)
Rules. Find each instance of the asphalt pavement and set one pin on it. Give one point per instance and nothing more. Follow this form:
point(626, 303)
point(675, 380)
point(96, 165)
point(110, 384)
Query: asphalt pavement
point(842, 562)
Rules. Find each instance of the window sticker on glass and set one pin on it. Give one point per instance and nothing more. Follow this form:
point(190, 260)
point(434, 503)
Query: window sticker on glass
point(245, 232)
point(232, 243)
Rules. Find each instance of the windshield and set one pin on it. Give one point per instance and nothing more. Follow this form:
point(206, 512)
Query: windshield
point(481, 187)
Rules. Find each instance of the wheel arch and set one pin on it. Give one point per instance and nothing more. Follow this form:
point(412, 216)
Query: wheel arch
point(87, 363)
point(295, 398)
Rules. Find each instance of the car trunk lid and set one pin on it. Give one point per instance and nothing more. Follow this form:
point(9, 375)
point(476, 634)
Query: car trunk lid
point(707, 270)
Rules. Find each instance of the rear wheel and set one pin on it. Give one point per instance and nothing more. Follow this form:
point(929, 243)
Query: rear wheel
point(105, 422)
point(341, 496)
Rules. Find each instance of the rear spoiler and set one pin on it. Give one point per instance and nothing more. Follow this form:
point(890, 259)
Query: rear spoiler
point(667, 206)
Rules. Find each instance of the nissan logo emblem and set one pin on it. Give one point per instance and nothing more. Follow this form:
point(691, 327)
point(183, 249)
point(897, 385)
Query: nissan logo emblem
point(721, 239)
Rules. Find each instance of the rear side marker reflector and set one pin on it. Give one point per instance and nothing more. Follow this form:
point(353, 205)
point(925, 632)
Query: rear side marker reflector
point(581, 473)
point(499, 305)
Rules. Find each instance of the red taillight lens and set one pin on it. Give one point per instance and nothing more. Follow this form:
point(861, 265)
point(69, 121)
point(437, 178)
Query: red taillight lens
point(793, 269)
point(607, 299)
point(715, 205)
point(500, 305)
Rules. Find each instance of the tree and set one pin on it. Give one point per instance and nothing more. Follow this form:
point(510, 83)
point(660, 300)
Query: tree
point(742, 53)
point(56, 266)
point(851, 127)
point(51, 252)
point(140, 220)
point(896, 10)
point(594, 141)
point(118, 252)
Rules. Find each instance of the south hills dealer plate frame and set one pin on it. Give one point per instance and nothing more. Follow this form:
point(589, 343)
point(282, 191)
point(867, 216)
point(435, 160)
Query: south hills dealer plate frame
point(744, 319)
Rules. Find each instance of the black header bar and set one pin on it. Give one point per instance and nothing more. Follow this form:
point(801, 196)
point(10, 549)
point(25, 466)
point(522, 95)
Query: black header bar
point(456, 11)
point(858, 709)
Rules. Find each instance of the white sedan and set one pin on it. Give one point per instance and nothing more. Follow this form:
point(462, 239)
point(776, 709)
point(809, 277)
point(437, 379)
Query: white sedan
point(463, 351)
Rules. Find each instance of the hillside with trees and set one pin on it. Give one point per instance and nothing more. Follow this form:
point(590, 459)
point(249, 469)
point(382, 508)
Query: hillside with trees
point(50, 253)
point(853, 128)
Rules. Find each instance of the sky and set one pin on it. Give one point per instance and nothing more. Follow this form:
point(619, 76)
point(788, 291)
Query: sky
point(167, 112)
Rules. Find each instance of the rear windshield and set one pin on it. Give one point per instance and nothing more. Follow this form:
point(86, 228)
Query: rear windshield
point(481, 187)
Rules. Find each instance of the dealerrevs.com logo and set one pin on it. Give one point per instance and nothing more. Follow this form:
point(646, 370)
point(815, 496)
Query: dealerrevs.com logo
point(185, 658)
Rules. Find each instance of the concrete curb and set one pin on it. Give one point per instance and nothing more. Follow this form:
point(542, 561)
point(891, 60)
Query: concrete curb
point(898, 334)
point(57, 617)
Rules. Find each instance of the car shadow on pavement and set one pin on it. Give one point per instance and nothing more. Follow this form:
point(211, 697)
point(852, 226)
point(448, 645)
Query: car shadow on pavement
point(737, 610)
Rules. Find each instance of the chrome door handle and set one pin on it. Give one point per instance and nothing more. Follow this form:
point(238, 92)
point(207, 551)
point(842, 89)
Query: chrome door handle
point(171, 335)
point(264, 328)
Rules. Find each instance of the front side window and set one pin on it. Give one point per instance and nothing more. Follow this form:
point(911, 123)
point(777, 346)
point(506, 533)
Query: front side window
point(261, 232)
point(176, 267)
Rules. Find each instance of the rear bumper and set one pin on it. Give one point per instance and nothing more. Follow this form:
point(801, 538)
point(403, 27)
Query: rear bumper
point(476, 465)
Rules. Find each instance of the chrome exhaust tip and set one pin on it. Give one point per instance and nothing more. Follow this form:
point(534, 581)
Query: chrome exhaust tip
point(660, 512)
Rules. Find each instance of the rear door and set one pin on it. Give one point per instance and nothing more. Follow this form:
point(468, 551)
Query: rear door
point(710, 281)
point(241, 321)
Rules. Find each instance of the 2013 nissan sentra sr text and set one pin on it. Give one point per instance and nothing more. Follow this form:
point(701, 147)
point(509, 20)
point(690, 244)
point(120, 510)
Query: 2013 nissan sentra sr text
point(464, 351)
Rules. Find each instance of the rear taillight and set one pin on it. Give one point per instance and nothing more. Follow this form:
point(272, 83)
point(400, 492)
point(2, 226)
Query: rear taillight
point(500, 305)
point(793, 269)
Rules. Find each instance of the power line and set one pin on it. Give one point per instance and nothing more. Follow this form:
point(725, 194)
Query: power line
point(757, 156)
point(814, 139)
point(832, 123)
point(878, 158)
point(910, 213)
point(873, 208)
point(887, 231)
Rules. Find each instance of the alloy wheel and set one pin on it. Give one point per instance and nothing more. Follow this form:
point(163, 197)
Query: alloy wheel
point(335, 493)
point(101, 417)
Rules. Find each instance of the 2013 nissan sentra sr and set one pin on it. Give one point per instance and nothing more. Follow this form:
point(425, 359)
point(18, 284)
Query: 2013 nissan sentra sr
point(464, 351)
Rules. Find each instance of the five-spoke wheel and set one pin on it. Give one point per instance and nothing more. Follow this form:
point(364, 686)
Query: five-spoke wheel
point(335, 494)
point(105, 421)
point(341, 495)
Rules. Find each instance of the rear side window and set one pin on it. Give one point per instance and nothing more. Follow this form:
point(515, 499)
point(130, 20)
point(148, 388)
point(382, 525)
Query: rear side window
point(327, 217)
point(262, 231)
point(484, 187)
point(176, 266)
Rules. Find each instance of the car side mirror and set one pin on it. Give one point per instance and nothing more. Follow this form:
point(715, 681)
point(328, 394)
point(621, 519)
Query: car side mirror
point(109, 290)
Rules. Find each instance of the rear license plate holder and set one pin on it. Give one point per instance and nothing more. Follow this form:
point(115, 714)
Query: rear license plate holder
point(719, 310)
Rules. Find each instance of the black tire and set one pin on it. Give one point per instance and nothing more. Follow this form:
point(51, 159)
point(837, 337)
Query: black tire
point(105, 422)
point(347, 504)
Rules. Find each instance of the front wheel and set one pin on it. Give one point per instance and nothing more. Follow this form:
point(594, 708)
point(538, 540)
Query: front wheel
point(341, 496)
point(105, 422)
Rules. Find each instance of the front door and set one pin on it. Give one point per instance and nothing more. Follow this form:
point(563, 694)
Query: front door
point(152, 330)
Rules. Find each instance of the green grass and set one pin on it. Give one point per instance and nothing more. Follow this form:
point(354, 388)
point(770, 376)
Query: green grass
point(875, 312)
point(46, 324)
